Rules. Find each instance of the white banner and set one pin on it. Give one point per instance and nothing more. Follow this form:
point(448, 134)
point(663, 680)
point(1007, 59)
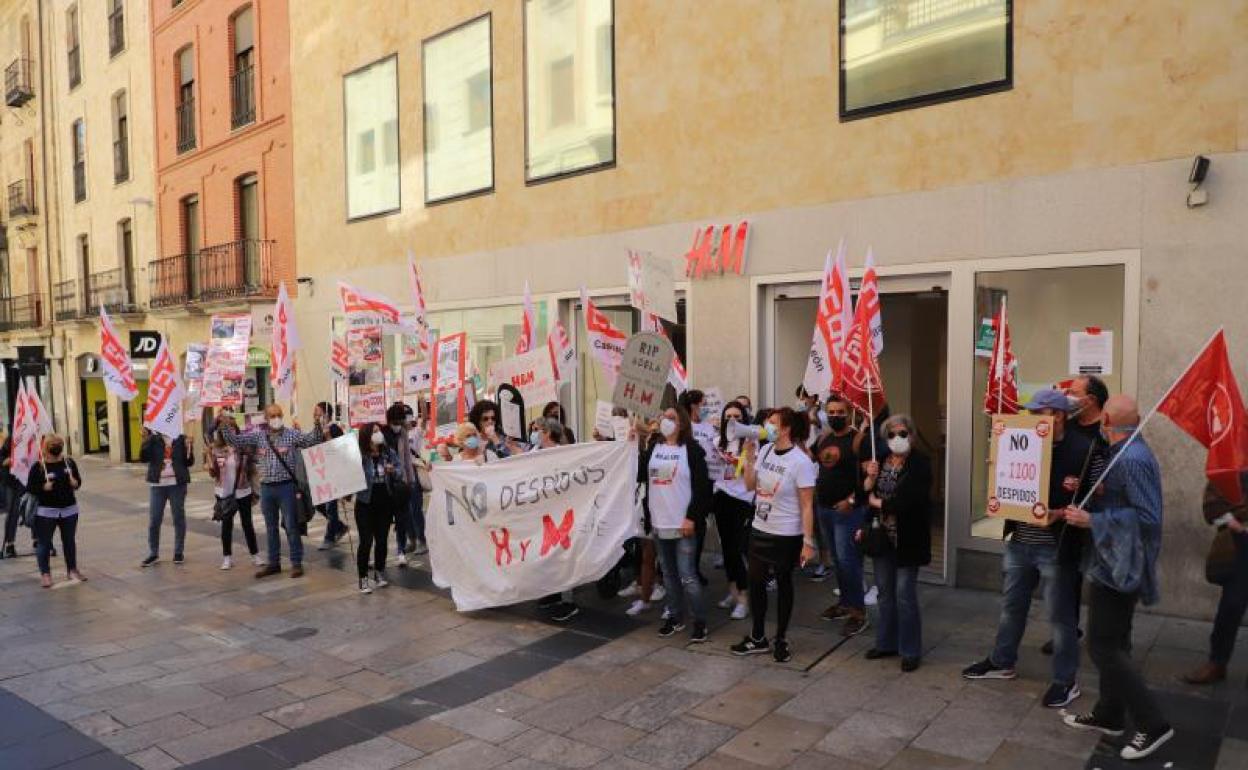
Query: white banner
point(163, 411)
point(522, 528)
point(529, 373)
point(334, 468)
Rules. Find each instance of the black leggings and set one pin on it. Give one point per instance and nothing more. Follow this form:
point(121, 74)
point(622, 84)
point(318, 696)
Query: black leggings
point(731, 514)
point(372, 521)
point(769, 554)
point(249, 530)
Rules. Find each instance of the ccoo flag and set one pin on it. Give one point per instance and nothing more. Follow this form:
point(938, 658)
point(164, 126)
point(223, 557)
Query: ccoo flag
point(285, 343)
point(1001, 396)
point(606, 341)
point(832, 320)
point(118, 371)
point(422, 313)
point(1206, 403)
point(163, 411)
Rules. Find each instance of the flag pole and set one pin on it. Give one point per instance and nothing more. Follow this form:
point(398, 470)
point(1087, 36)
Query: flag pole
point(870, 414)
point(1000, 372)
point(1140, 428)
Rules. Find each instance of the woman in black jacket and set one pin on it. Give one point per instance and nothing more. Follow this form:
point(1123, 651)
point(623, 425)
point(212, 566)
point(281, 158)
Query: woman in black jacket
point(899, 499)
point(54, 481)
point(678, 497)
point(11, 491)
point(169, 462)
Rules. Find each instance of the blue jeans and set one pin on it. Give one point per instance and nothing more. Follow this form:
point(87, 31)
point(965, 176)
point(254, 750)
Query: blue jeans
point(680, 577)
point(409, 524)
point(1023, 566)
point(838, 534)
point(900, 628)
point(275, 499)
point(1231, 607)
point(175, 496)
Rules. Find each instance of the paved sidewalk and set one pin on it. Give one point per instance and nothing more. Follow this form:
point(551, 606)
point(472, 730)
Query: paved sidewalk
point(192, 666)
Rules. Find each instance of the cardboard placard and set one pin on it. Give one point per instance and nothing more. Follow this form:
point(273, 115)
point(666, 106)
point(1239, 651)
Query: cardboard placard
point(417, 376)
point(449, 369)
point(712, 405)
point(646, 363)
point(531, 373)
point(1020, 455)
point(602, 419)
point(651, 285)
point(334, 469)
point(226, 364)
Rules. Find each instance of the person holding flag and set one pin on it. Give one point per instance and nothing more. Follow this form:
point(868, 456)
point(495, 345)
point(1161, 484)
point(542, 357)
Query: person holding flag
point(169, 456)
point(54, 480)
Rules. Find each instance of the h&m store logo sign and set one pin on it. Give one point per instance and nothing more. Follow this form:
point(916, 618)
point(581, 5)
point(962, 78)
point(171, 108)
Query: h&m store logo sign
point(718, 250)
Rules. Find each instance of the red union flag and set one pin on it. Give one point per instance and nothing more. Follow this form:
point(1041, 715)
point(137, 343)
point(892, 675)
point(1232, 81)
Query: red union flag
point(832, 320)
point(528, 325)
point(1001, 396)
point(285, 343)
point(1206, 403)
point(860, 379)
point(562, 354)
point(163, 412)
point(606, 341)
point(27, 431)
point(118, 371)
point(355, 301)
point(339, 359)
point(422, 313)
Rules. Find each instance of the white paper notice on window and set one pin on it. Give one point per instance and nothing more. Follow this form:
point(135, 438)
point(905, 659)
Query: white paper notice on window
point(1092, 352)
point(602, 419)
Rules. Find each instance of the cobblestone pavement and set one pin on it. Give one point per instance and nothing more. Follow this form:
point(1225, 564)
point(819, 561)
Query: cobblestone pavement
point(193, 666)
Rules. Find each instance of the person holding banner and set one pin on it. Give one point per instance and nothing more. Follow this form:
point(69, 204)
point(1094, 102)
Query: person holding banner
point(898, 490)
point(169, 462)
point(678, 496)
point(375, 505)
point(554, 411)
point(783, 537)
point(335, 529)
point(54, 481)
point(471, 447)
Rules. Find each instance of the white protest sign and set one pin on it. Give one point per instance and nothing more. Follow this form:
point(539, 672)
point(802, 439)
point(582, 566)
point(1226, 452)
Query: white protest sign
point(532, 525)
point(620, 426)
point(1091, 352)
point(643, 373)
point(417, 376)
point(712, 405)
point(1018, 467)
point(651, 285)
point(602, 419)
point(334, 468)
point(530, 373)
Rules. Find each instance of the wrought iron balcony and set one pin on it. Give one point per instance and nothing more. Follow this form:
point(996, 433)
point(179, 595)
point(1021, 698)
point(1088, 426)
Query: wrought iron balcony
point(186, 124)
point(24, 312)
point(21, 198)
point(116, 31)
point(121, 161)
point(169, 281)
point(65, 304)
point(242, 97)
point(235, 270)
point(80, 181)
point(17, 88)
point(110, 290)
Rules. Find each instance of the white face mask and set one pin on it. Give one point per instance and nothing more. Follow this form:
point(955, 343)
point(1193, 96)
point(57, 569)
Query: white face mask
point(378, 439)
point(899, 445)
point(667, 427)
point(275, 423)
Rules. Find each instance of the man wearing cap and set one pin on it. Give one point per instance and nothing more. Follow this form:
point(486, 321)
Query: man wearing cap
point(1050, 552)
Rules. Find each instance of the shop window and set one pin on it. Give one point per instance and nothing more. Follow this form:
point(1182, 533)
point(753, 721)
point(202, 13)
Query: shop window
point(569, 62)
point(1044, 307)
point(370, 98)
point(459, 138)
point(897, 54)
point(492, 332)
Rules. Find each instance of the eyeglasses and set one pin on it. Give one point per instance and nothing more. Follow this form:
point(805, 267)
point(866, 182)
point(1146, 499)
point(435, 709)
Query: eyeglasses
point(898, 434)
point(488, 418)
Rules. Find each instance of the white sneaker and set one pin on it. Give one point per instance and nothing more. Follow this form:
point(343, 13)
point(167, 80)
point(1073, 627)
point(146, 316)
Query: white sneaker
point(740, 611)
point(227, 563)
point(631, 589)
point(257, 560)
point(727, 602)
point(658, 593)
point(771, 584)
point(379, 579)
point(365, 587)
point(637, 607)
point(872, 597)
point(402, 560)
point(666, 614)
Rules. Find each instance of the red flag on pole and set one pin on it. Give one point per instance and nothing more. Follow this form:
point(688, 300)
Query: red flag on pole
point(1002, 394)
point(860, 381)
point(1205, 402)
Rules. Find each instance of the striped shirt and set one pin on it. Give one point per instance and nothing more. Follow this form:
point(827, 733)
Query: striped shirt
point(269, 463)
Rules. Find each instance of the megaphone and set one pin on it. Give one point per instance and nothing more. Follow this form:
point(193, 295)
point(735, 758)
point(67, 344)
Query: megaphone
point(745, 431)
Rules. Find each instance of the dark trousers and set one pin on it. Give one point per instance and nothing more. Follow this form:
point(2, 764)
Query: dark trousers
point(731, 515)
point(372, 522)
point(1123, 691)
point(335, 528)
point(409, 523)
point(44, 527)
point(249, 530)
point(1231, 607)
point(769, 554)
point(12, 496)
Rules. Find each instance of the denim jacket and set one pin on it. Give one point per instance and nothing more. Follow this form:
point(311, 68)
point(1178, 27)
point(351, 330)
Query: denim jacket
point(387, 455)
point(1126, 524)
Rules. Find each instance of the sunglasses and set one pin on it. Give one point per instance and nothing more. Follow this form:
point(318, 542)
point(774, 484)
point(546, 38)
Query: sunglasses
point(899, 434)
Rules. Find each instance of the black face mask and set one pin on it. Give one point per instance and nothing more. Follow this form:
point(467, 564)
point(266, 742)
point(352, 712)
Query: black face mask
point(838, 423)
point(55, 451)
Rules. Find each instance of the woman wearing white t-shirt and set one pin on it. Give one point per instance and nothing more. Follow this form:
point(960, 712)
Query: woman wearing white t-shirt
point(782, 476)
point(734, 507)
point(678, 497)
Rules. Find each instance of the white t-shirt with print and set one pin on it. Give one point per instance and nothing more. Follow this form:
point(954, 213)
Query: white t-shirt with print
point(728, 480)
point(670, 487)
point(777, 506)
point(707, 436)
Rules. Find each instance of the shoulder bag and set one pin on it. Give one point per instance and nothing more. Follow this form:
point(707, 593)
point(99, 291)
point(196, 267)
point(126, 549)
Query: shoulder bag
point(1220, 563)
point(225, 507)
point(303, 499)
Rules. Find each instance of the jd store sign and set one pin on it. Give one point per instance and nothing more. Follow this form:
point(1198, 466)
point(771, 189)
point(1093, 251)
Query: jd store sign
point(144, 344)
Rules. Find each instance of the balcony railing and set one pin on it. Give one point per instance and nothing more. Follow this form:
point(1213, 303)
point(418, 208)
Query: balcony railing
point(108, 289)
point(65, 304)
point(24, 312)
point(121, 161)
point(236, 269)
point(75, 67)
point(80, 181)
point(169, 281)
point(21, 198)
point(116, 31)
point(186, 124)
point(242, 97)
point(17, 89)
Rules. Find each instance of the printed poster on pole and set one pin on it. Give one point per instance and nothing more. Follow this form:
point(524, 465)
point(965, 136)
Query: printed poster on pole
point(226, 363)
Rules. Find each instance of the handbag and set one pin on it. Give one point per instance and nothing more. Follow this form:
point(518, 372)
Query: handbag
point(304, 508)
point(28, 507)
point(875, 541)
point(1220, 563)
point(225, 507)
point(423, 478)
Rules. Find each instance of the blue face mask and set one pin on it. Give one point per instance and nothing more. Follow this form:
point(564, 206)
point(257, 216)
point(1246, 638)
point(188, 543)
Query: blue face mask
point(773, 432)
point(472, 442)
point(535, 438)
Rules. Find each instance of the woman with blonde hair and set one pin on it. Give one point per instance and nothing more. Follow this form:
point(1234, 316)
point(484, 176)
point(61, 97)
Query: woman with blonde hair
point(54, 480)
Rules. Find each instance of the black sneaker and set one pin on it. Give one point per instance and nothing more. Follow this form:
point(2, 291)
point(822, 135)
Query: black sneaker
point(909, 664)
point(670, 626)
point(548, 602)
point(149, 561)
point(781, 651)
point(986, 669)
point(750, 646)
point(1060, 695)
point(179, 559)
point(876, 653)
point(1090, 722)
point(10, 551)
point(699, 634)
point(565, 612)
point(1142, 744)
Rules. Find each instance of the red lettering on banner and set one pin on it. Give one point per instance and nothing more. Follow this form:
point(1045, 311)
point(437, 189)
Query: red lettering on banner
point(324, 491)
point(524, 547)
point(629, 390)
point(160, 387)
point(647, 397)
point(502, 545)
point(557, 536)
